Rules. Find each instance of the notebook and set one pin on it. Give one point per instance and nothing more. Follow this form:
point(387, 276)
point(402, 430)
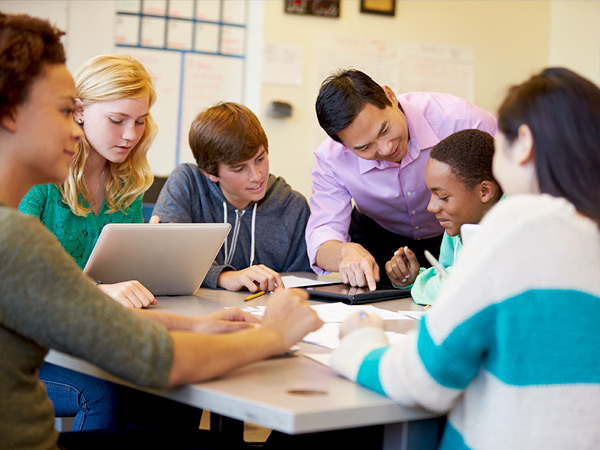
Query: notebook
point(355, 295)
point(167, 258)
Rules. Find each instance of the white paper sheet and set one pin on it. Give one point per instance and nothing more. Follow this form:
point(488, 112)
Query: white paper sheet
point(329, 336)
point(292, 281)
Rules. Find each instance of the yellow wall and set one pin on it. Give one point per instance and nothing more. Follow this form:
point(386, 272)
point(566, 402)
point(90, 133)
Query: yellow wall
point(575, 37)
point(510, 41)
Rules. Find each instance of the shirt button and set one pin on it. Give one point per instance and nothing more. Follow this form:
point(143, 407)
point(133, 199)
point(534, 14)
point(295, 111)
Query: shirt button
point(413, 212)
point(417, 227)
point(409, 193)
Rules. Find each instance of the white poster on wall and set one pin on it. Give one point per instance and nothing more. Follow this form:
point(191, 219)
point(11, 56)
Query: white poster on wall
point(165, 68)
point(282, 64)
point(207, 79)
point(405, 66)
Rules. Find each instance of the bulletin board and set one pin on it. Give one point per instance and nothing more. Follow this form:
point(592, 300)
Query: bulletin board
point(195, 49)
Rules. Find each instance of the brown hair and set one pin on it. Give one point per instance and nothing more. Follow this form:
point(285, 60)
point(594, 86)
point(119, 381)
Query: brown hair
point(226, 133)
point(562, 110)
point(27, 46)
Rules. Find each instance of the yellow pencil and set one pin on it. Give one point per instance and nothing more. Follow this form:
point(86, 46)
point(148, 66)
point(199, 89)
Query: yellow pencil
point(253, 296)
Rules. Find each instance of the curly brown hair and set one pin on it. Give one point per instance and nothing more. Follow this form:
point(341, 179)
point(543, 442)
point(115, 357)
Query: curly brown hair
point(27, 46)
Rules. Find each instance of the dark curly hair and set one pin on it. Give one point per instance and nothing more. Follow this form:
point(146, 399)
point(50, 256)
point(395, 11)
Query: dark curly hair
point(27, 45)
point(469, 154)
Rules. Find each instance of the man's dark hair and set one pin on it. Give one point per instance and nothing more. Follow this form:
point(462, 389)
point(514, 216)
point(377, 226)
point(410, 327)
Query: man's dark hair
point(343, 96)
point(27, 46)
point(469, 154)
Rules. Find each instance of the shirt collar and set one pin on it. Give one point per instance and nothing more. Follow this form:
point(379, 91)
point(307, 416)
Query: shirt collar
point(421, 134)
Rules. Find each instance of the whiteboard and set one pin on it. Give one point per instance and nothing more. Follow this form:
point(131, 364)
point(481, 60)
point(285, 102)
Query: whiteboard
point(208, 79)
point(165, 69)
point(195, 52)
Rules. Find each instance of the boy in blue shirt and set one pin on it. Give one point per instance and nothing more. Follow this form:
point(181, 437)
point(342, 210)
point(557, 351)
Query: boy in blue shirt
point(463, 189)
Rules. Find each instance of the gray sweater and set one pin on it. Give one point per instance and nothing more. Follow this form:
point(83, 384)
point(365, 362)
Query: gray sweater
point(47, 302)
point(190, 197)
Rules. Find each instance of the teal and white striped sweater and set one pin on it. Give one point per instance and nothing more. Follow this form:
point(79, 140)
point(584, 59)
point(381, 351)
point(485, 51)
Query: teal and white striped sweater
point(510, 348)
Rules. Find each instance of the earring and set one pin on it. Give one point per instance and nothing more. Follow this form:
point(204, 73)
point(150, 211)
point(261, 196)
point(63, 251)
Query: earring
point(80, 121)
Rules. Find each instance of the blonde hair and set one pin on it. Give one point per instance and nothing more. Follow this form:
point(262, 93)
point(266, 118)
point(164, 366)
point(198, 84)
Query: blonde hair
point(105, 78)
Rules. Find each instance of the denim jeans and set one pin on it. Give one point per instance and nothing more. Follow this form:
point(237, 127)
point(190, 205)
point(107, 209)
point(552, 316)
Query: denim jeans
point(98, 404)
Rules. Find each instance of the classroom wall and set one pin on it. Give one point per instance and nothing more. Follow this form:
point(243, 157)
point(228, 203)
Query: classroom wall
point(510, 39)
point(575, 37)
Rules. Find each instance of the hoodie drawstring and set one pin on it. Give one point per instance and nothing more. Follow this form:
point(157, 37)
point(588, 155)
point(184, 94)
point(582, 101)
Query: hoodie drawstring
point(253, 243)
point(236, 231)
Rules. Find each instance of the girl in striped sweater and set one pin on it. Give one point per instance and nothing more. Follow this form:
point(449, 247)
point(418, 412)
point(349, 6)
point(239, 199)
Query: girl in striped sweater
point(509, 350)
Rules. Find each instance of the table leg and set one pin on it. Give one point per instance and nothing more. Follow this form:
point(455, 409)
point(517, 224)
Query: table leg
point(230, 429)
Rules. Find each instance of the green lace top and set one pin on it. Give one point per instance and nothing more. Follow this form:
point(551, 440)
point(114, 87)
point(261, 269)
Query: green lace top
point(78, 235)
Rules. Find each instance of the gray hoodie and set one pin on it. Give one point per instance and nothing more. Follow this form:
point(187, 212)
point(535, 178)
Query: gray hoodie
point(276, 239)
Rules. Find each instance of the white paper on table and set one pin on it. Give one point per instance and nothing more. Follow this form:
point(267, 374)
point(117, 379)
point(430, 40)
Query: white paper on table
point(292, 281)
point(338, 312)
point(414, 315)
point(323, 358)
point(329, 336)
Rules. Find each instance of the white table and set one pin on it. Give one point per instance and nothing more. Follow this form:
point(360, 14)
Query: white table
point(293, 395)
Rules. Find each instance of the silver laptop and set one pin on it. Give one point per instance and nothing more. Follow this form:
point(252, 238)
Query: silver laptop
point(167, 258)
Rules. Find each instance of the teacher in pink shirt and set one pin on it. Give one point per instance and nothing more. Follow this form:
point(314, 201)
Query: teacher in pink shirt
point(375, 156)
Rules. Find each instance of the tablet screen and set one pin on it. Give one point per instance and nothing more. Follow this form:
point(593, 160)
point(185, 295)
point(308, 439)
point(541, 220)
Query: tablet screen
point(351, 294)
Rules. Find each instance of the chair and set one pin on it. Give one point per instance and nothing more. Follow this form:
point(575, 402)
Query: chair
point(150, 197)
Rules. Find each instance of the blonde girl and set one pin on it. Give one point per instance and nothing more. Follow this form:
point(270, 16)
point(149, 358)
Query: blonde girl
point(109, 172)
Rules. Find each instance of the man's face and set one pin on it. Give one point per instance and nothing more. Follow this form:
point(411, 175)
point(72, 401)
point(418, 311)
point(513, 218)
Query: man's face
point(378, 134)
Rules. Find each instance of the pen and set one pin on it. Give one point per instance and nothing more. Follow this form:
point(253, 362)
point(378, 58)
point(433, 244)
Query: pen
point(426, 307)
point(434, 262)
point(253, 296)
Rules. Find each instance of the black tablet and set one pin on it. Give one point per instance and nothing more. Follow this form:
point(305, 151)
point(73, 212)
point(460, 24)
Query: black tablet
point(355, 295)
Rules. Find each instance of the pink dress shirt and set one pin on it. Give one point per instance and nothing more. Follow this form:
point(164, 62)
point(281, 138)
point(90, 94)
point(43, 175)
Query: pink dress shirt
point(392, 194)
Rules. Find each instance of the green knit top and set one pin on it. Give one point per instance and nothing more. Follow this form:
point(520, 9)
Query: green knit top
point(77, 234)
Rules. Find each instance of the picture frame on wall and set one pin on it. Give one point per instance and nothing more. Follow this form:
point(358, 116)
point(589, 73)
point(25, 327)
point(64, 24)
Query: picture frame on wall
point(329, 8)
point(382, 7)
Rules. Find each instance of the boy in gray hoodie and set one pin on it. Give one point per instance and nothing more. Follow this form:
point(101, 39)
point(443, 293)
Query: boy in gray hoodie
point(231, 183)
